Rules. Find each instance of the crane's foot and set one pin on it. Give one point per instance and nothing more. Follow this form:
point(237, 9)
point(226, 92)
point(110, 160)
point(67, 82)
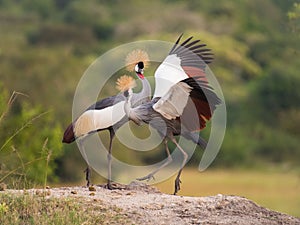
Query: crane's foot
point(108, 185)
point(147, 178)
point(177, 185)
point(87, 172)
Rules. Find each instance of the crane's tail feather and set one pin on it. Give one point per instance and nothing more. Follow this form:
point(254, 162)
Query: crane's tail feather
point(194, 137)
point(69, 135)
point(201, 142)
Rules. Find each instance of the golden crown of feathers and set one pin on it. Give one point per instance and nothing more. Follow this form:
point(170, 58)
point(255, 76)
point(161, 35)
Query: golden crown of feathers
point(125, 82)
point(136, 56)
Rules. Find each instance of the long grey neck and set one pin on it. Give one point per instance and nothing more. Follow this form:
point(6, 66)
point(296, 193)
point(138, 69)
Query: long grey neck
point(146, 92)
point(144, 95)
point(129, 110)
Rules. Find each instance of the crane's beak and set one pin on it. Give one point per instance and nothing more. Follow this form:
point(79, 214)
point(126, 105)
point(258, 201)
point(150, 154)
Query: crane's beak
point(139, 69)
point(140, 73)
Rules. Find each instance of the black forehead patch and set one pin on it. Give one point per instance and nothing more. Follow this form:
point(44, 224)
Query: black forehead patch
point(141, 65)
point(126, 93)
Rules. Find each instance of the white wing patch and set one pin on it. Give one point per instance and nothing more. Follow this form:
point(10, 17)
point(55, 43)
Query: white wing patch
point(93, 120)
point(172, 104)
point(167, 74)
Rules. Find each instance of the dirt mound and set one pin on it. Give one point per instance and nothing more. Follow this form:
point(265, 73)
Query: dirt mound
point(143, 204)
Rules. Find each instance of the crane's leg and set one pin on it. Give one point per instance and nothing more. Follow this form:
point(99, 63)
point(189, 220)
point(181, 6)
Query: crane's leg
point(169, 160)
point(112, 134)
point(87, 172)
point(185, 157)
point(88, 169)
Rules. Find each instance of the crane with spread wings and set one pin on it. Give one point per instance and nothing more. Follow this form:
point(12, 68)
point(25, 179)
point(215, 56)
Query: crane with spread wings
point(183, 100)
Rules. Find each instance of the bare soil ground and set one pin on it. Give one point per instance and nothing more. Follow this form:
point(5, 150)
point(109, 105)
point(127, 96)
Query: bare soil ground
point(139, 203)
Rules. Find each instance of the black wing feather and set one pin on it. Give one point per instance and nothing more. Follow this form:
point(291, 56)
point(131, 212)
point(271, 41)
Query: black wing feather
point(190, 50)
point(106, 102)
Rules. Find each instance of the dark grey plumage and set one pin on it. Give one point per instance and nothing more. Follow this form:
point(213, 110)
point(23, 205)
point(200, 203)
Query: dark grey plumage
point(137, 98)
point(169, 128)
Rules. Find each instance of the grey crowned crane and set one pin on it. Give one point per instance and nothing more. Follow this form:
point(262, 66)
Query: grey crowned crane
point(183, 100)
point(98, 117)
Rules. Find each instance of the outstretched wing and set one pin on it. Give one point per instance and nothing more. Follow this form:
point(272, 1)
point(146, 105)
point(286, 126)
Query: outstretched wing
point(172, 104)
point(186, 59)
point(191, 100)
point(201, 104)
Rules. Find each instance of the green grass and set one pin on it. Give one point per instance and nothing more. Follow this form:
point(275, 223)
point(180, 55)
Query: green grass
point(275, 190)
point(38, 209)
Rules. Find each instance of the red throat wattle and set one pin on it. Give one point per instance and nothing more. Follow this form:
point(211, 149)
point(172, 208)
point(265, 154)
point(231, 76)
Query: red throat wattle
point(140, 75)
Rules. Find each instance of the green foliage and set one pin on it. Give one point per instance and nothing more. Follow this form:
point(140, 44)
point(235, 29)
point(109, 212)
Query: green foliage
point(275, 145)
point(30, 143)
point(236, 149)
point(295, 13)
point(42, 8)
point(90, 14)
point(51, 34)
point(47, 45)
point(294, 17)
point(85, 13)
point(280, 90)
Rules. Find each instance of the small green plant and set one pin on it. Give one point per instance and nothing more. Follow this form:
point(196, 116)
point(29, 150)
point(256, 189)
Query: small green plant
point(33, 208)
point(3, 208)
point(31, 142)
point(294, 17)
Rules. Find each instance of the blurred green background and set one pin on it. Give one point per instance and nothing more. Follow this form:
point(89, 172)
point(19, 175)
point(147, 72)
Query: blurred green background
point(46, 45)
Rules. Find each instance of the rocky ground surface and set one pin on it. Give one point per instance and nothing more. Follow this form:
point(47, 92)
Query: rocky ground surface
point(143, 204)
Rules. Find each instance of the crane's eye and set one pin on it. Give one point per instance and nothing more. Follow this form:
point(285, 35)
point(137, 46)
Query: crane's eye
point(139, 67)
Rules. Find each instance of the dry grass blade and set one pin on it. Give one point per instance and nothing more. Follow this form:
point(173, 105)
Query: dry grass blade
point(10, 102)
point(20, 167)
point(48, 157)
point(22, 128)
